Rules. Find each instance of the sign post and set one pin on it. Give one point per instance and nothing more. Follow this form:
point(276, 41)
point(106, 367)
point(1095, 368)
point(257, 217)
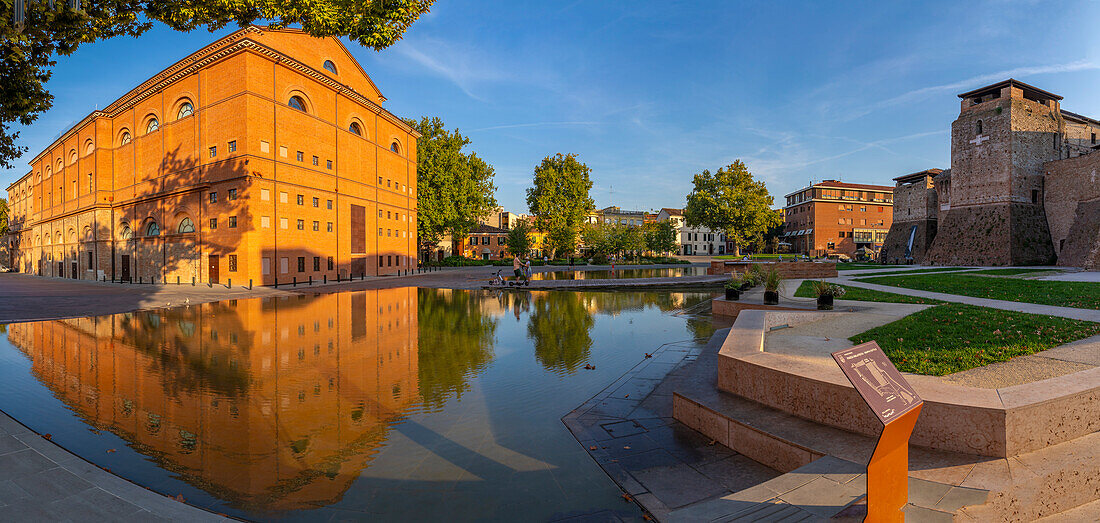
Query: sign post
point(897, 406)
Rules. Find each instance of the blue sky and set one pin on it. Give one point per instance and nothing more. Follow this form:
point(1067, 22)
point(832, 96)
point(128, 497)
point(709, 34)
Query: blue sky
point(650, 93)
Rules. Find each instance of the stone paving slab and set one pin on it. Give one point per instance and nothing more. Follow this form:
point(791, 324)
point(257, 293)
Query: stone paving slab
point(40, 481)
point(657, 461)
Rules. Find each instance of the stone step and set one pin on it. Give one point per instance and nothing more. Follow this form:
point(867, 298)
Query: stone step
point(1025, 487)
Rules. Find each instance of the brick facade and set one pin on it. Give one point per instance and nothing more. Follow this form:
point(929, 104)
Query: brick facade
point(834, 217)
point(243, 160)
point(787, 270)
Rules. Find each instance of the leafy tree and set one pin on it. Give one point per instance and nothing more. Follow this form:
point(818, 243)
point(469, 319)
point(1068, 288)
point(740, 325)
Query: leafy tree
point(597, 238)
point(453, 189)
point(51, 28)
point(730, 200)
point(628, 239)
point(559, 200)
point(3, 216)
point(519, 239)
point(661, 237)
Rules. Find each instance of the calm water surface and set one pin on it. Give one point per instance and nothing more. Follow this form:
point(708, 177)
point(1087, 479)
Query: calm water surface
point(621, 273)
point(398, 404)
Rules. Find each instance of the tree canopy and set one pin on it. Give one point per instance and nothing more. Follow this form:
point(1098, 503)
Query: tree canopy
point(3, 216)
point(454, 189)
point(559, 199)
point(660, 237)
point(49, 29)
point(519, 238)
point(730, 200)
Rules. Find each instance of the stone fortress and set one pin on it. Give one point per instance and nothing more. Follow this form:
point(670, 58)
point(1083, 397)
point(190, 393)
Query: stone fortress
point(1022, 188)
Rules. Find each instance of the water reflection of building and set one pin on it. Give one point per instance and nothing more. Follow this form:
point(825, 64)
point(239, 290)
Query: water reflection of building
point(271, 404)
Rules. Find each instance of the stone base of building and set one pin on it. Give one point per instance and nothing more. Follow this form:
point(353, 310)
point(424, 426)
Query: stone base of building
point(1000, 234)
point(897, 242)
point(1082, 245)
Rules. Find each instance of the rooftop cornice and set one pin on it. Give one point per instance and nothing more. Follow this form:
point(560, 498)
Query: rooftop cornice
point(234, 43)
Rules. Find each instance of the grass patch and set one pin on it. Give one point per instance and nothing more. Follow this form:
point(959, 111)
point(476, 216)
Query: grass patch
point(954, 337)
point(1082, 295)
point(758, 257)
point(860, 294)
point(858, 266)
point(1011, 272)
point(914, 271)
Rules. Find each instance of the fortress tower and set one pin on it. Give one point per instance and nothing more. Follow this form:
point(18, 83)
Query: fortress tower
point(991, 208)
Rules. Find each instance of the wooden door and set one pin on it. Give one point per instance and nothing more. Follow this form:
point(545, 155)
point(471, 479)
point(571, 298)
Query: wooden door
point(125, 267)
point(213, 269)
point(74, 270)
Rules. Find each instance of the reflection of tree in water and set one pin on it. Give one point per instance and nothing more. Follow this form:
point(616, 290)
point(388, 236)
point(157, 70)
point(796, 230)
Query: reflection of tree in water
point(617, 302)
point(559, 325)
point(189, 357)
point(456, 338)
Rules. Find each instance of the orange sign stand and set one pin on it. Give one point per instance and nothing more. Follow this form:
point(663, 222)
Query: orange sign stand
point(897, 406)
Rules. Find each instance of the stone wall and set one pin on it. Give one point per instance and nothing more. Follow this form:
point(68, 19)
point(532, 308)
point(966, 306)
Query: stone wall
point(788, 270)
point(1072, 201)
point(897, 241)
point(1003, 234)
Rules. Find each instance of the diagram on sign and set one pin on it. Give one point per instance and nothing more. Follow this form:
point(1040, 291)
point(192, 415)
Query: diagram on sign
point(877, 380)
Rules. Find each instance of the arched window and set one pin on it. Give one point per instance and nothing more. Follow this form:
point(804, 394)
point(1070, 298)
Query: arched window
point(355, 129)
point(126, 233)
point(89, 147)
point(72, 156)
point(125, 139)
point(395, 147)
point(296, 102)
point(330, 66)
point(152, 229)
point(153, 125)
point(186, 225)
point(87, 233)
point(185, 110)
point(978, 128)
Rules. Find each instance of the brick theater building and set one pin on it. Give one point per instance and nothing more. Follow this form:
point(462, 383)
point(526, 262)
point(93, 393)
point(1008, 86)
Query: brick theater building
point(834, 217)
point(266, 154)
point(1022, 188)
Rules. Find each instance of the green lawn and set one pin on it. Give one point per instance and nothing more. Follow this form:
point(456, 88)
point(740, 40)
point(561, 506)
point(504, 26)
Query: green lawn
point(914, 271)
point(855, 266)
point(1012, 272)
point(954, 337)
point(757, 257)
point(1062, 293)
point(859, 294)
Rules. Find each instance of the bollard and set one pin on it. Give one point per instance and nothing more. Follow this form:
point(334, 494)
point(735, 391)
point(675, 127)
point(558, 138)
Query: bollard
point(326, 279)
point(229, 283)
point(250, 284)
point(311, 280)
point(139, 280)
point(177, 279)
point(295, 281)
point(192, 281)
point(276, 282)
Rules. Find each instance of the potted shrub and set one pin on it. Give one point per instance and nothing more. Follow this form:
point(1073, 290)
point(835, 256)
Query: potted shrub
point(733, 288)
point(826, 292)
point(772, 279)
point(746, 282)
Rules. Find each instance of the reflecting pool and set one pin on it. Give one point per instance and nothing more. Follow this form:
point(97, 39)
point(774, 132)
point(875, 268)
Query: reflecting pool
point(396, 404)
point(621, 273)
